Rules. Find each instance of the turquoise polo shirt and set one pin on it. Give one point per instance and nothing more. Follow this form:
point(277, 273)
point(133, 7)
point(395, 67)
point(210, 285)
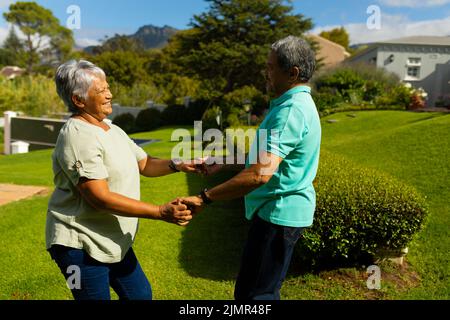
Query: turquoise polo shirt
point(291, 130)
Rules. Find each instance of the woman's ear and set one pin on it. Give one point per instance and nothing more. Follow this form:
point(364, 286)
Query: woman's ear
point(77, 101)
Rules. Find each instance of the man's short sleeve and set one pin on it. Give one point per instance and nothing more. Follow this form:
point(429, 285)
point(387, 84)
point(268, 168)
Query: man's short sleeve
point(82, 158)
point(285, 129)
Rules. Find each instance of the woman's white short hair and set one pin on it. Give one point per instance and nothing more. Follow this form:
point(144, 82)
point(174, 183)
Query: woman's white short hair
point(75, 78)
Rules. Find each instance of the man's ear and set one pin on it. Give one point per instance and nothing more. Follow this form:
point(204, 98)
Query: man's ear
point(77, 101)
point(294, 74)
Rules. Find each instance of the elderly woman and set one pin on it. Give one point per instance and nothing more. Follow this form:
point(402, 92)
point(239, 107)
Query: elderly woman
point(93, 213)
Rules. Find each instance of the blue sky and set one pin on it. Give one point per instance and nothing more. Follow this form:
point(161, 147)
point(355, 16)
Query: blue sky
point(398, 17)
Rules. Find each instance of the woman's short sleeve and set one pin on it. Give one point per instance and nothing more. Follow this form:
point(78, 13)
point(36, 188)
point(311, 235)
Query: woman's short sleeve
point(82, 158)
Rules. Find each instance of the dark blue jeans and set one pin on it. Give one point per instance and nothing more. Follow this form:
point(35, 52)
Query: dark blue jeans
point(265, 261)
point(125, 277)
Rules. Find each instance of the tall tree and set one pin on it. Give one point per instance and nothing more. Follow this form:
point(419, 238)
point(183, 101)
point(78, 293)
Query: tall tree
point(41, 29)
point(228, 45)
point(13, 51)
point(337, 35)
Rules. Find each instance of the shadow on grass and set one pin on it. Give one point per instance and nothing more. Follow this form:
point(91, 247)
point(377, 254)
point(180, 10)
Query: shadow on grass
point(212, 244)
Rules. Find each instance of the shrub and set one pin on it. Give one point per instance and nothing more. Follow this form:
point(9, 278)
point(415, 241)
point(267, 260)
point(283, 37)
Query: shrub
point(34, 96)
point(359, 84)
point(126, 122)
point(359, 212)
point(148, 119)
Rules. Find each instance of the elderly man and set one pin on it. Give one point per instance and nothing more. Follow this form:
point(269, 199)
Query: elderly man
point(92, 216)
point(279, 194)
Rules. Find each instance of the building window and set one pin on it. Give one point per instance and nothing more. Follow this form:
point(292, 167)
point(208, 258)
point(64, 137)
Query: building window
point(413, 61)
point(413, 73)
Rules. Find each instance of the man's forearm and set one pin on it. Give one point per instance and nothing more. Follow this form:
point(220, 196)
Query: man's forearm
point(240, 185)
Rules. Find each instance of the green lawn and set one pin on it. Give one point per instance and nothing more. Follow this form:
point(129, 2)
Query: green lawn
point(201, 260)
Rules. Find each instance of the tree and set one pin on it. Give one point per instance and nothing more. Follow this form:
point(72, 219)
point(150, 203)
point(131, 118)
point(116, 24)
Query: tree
point(12, 52)
point(124, 67)
point(228, 45)
point(120, 43)
point(44, 34)
point(337, 35)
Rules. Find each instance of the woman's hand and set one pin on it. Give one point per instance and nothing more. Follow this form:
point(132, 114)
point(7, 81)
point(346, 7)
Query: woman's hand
point(191, 166)
point(175, 212)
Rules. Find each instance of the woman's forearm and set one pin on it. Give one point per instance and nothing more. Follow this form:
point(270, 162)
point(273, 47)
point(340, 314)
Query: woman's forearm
point(156, 168)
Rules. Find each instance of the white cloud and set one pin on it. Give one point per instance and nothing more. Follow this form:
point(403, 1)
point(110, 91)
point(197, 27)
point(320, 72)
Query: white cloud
point(3, 35)
point(392, 27)
point(86, 42)
point(414, 3)
point(5, 3)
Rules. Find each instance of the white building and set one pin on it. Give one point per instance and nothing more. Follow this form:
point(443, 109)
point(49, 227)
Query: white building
point(423, 61)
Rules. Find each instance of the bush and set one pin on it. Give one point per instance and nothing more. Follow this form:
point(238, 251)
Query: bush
point(34, 96)
point(126, 122)
point(359, 84)
point(180, 115)
point(148, 119)
point(359, 213)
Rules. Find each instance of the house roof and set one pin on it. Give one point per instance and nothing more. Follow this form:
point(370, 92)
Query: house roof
point(11, 72)
point(420, 40)
point(330, 52)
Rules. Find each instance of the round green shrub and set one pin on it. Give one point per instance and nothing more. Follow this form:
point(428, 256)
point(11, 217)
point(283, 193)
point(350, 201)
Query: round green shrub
point(148, 119)
point(359, 212)
point(126, 122)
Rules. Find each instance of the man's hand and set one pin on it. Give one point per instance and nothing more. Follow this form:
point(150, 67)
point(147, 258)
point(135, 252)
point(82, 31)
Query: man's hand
point(191, 166)
point(175, 212)
point(194, 203)
point(214, 168)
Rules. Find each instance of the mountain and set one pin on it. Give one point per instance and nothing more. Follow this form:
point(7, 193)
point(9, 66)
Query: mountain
point(149, 36)
point(154, 37)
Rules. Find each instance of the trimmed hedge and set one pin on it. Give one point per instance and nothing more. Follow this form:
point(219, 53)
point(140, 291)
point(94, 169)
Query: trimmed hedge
point(148, 119)
point(126, 122)
point(359, 213)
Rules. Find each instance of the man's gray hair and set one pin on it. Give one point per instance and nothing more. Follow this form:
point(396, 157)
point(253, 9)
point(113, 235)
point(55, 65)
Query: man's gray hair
point(295, 52)
point(75, 78)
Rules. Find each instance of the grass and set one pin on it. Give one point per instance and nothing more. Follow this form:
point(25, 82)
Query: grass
point(202, 260)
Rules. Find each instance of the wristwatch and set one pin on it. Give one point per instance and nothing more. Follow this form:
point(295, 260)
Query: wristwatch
point(204, 197)
point(173, 164)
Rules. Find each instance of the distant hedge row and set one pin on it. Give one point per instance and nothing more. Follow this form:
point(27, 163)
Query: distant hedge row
point(150, 119)
point(359, 212)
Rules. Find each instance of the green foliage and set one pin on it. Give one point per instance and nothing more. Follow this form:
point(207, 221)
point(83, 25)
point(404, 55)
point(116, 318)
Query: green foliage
point(137, 95)
point(180, 115)
point(148, 119)
point(12, 53)
point(230, 42)
point(124, 67)
point(120, 43)
point(36, 23)
point(35, 96)
point(359, 85)
point(337, 35)
point(126, 122)
point(359, 212)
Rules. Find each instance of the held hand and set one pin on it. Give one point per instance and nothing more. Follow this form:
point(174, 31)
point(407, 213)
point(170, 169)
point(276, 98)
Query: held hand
point(175, 212)
point(214, 168)
point(194, 203)
point(192, 166)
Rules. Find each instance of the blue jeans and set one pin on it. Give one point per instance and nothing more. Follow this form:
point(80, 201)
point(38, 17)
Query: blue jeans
point(125, 277)
point(265, 261)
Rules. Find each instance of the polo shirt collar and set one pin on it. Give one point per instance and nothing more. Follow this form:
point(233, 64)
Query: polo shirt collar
point(288, 94)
